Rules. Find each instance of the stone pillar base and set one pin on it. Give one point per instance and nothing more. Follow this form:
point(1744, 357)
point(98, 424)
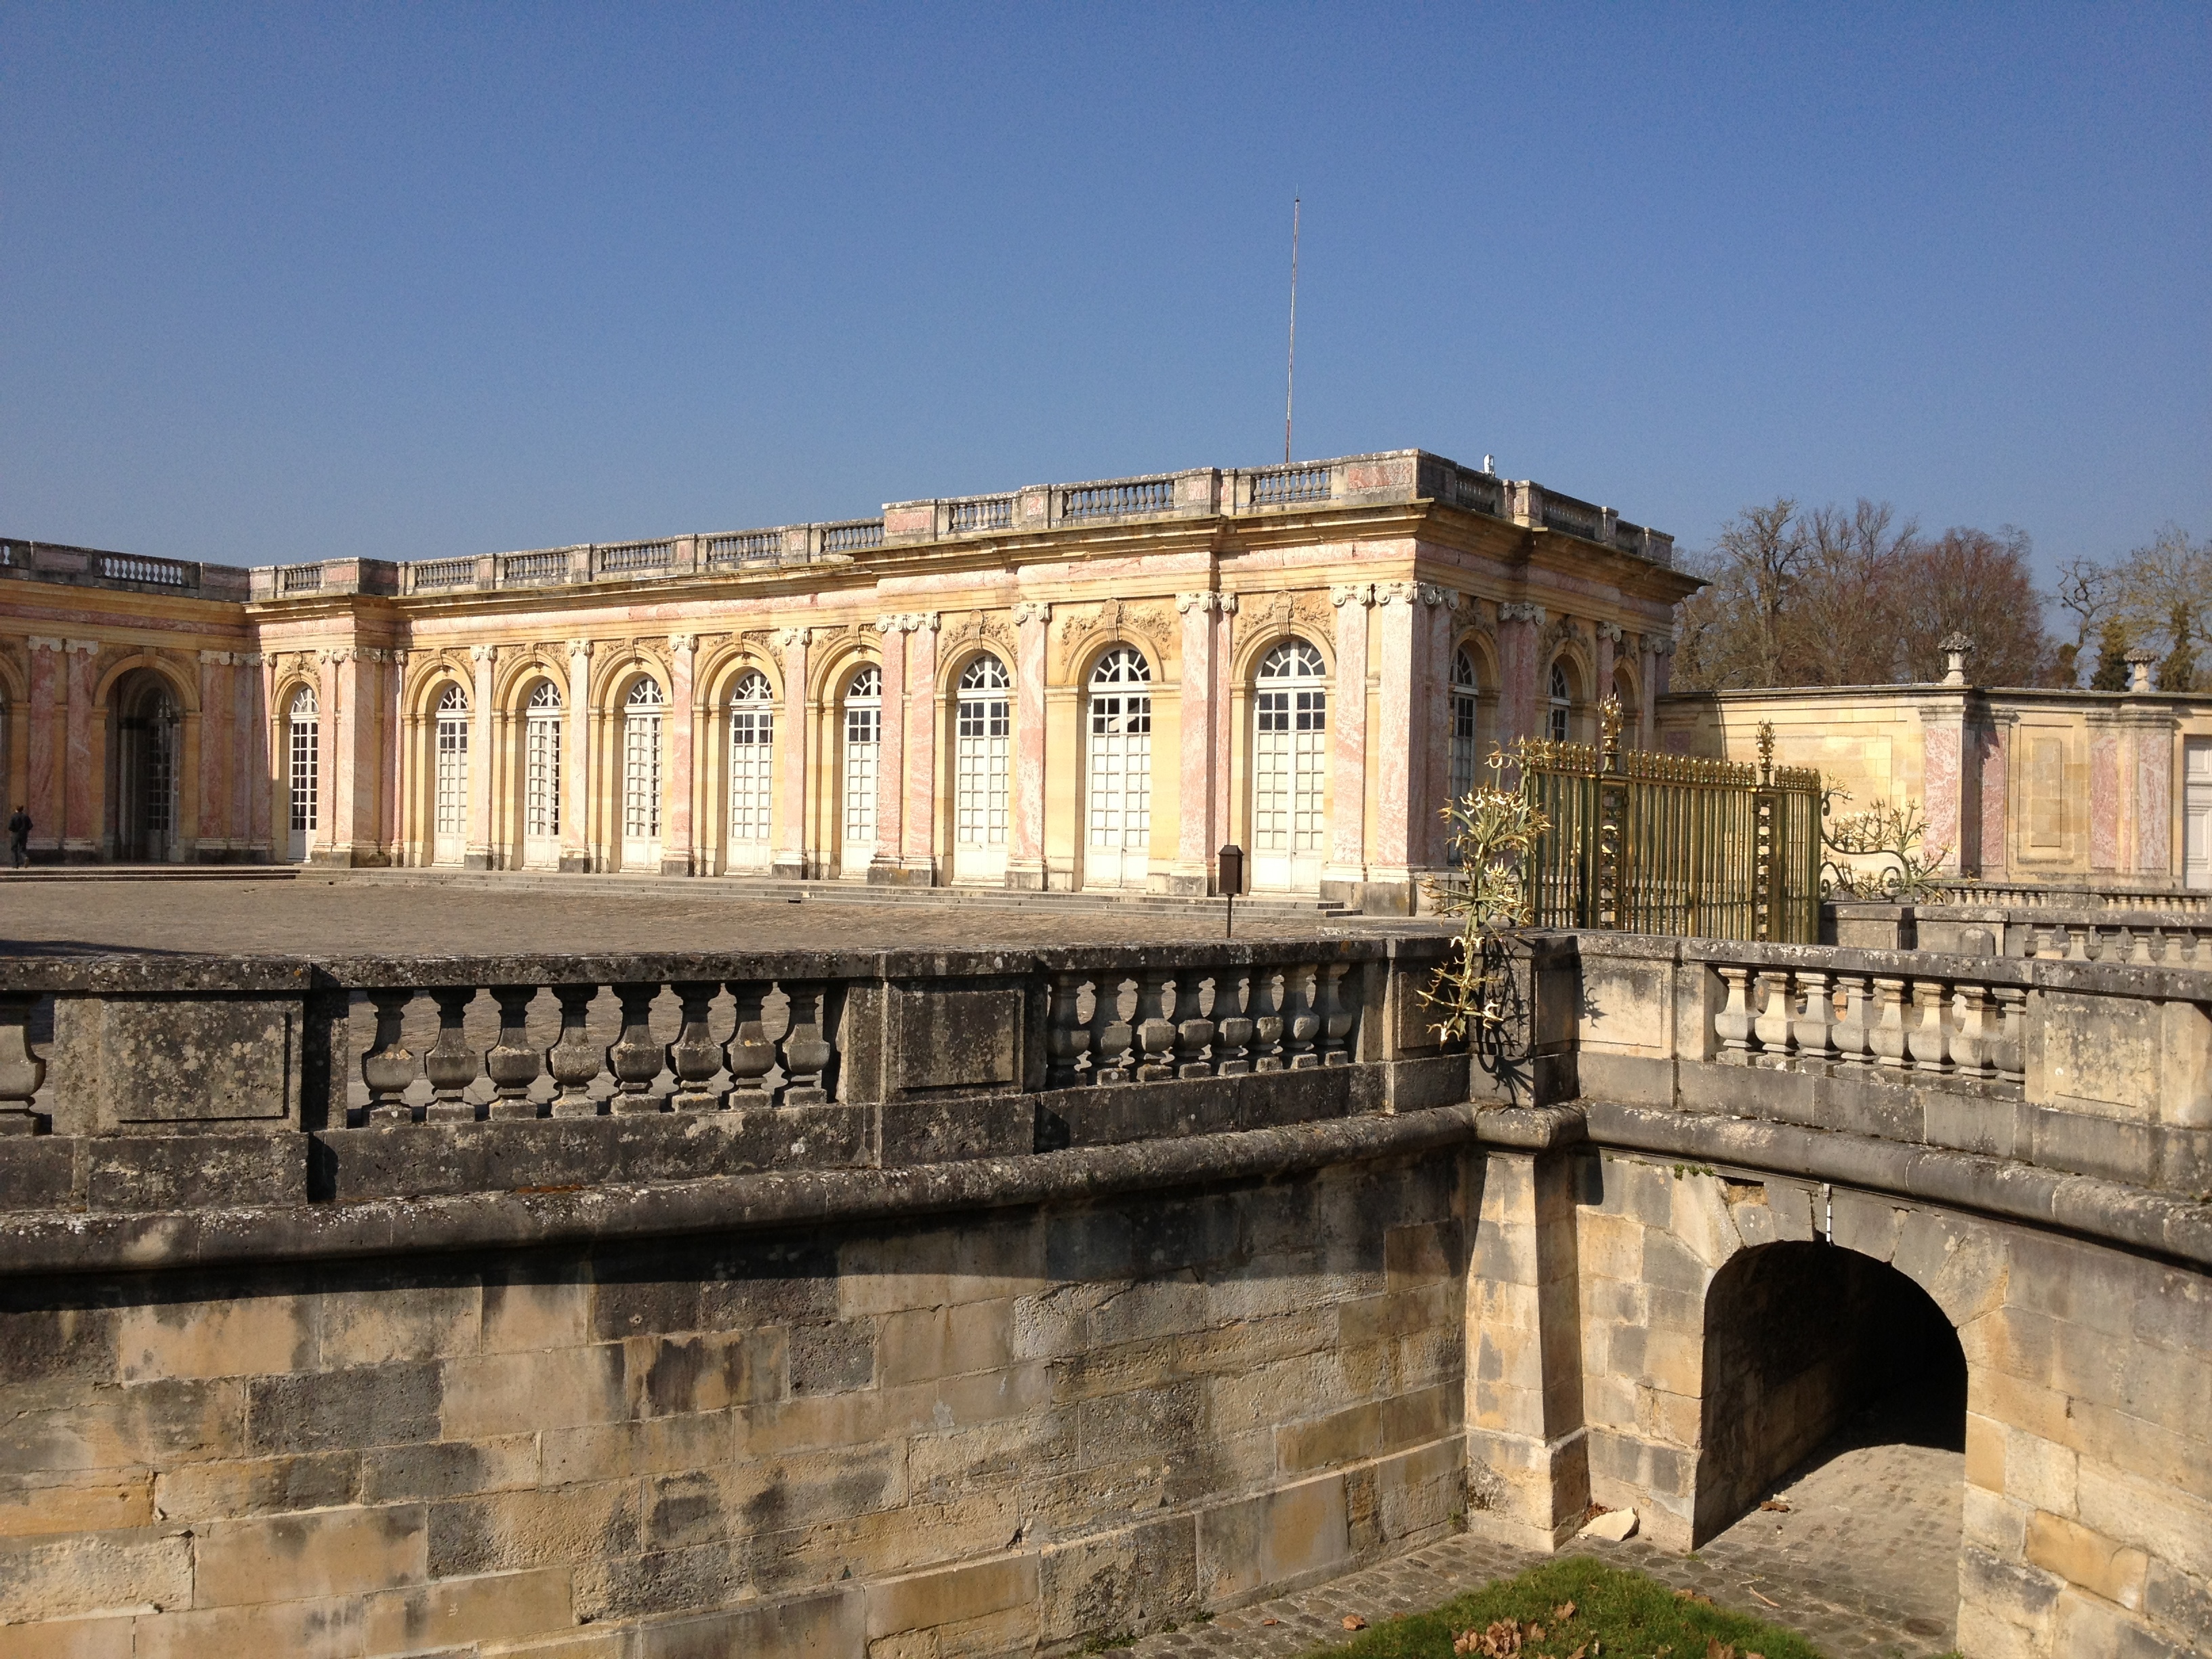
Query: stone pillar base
point(80, 852)
point(475, 860)
point(1527, 1492)
point(892, 872)
point(675, 864)
point(575, 864)
point(1186, 884)
point(1026, 878)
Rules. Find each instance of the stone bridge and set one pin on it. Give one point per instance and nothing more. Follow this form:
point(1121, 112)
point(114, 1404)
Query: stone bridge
point(906, 1305)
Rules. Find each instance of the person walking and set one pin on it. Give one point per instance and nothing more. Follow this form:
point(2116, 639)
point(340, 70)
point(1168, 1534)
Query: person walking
point(18, 838)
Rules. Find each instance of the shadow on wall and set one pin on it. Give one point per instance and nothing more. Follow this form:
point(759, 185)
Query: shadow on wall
point(1800, 1338)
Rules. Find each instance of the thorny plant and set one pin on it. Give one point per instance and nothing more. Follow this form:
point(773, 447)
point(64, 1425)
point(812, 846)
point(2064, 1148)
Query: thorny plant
point(1494, 834)
point(1895, 832)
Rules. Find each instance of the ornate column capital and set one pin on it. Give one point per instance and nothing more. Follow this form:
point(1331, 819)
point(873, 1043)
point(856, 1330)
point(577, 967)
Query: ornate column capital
point(792, 639)
point(1430, 593)
point(1395, 592)
point(43, 642)
point(249, 658)
point(579, 647)
point(89, 647)
point(1208, 601)
point(890, 622)
point(1612, 631)
point(1522, 611)
point(922, 622)
point(1031, 611)
point(483, 653)
point(1662, 645)
point(1359, 593)
point(682, 641)
point(215, 658)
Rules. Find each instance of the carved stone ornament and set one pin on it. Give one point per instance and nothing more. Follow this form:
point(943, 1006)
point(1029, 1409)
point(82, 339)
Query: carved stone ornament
point(1662, 645)
point(681, 642)
point(981, 625)
point(1271, 614)
point(1519, 610)
point(792, 639)
point(1344, 594)
point(1116, 620)
point(1430, 593)
point(1612, 631)
point(580, 648)
point(1209, 602)
point(483, 653)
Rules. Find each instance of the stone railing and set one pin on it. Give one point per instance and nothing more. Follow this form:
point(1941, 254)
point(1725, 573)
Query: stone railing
point(92, 567)
point(2154, 933)
point(811, 1060)
point(1392, 477)
point(2026, 895)
point(2096, 1068)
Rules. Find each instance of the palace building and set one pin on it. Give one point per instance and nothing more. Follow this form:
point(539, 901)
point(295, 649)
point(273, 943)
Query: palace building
point(1067, 686)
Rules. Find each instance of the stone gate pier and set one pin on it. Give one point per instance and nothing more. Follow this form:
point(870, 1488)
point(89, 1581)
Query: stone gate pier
point(922, 1305)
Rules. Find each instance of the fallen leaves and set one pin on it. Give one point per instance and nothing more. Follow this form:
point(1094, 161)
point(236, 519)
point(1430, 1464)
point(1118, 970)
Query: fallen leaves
point(1354, 1621)
point(1563, 1611)
point(1776, 1505)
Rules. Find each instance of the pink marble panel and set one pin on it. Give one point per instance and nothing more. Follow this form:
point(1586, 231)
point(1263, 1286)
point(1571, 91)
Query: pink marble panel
point(1941, 741)
point(216, 744)
point(247, 739)
point(675, 844)
point(2154, 801)
point(791, 746)
point(81, 826)
point(1348, 784)
point(576, 754)
point(1027, 847)
point(1432, 721)
point(43, 796)
point(1395, 765)
point(480, 756)
point(920, 827)
point(1996, 757)
point(2105, 801)
point(1195, 762)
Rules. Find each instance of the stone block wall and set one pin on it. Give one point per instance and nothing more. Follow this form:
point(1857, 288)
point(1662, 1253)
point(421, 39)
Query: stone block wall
point(959, 1437)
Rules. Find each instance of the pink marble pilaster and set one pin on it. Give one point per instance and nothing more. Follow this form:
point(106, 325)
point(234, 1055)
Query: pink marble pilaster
point(325, 834)
point(1025, 853)
point(1996, 746)
point(265, 750)
point(575, 759)
point(81, 824)
point(248, 766)
point(217, 749)
point(1198, 832)
point(2104, 799)
point(1653, 661)
point(1398, 642)
point(1347, 783)
point(1224, 723)
point(675, 858)
point(1943, 788)
point(1517, 668)
point(2154, 788)
point(353, 793)
point(890, 747)
point(921, 747)
point(44, 742)
point(1607, 642)
point(389, 667)
point(480, 756)
point(1438, 622)
point(789, 853)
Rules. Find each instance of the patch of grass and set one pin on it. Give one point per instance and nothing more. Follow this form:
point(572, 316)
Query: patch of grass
point(1107, 1643)
point(1617, 1615)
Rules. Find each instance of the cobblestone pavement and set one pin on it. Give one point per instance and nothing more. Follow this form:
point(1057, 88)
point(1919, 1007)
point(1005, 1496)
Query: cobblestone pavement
point(329, 915)
point(1862, 1563)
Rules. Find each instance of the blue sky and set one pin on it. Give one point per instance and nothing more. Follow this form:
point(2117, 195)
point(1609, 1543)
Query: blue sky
point(301, 282)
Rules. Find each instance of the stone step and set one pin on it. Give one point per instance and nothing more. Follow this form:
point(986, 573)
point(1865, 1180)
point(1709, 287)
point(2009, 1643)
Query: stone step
point(47, 872)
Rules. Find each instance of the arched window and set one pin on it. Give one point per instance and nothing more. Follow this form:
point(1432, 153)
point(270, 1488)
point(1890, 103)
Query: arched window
point(1462, 695)
point(1120, 725)
point(1559, 702)
point(982, 730)
point(450, 777)
point(541, 764)
point(641, 776)
point(1289, 765)
point(752, 772)
point(302, 765)
point(864, 727)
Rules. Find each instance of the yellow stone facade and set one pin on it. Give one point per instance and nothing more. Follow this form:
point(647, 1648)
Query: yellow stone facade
point(1061, 687)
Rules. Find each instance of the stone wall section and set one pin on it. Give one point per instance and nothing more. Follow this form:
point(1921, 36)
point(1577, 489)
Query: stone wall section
point(977, 1436)
point(2088, 1466)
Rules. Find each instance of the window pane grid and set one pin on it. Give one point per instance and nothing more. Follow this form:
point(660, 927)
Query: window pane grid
point(752, 774)
point(452, 785)
point(304, 745)
point(542, 782)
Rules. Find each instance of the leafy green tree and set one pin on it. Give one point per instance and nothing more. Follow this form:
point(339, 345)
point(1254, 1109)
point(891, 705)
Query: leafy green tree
point(2178, 671)
point(2112, 644)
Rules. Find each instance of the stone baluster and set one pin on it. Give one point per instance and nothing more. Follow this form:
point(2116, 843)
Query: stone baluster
point(1775, 1012)
point(1270, 990)
point(1852, 1047)
point(810, 1049)
point(634, 1057)
point(388, 1067)
point(2142, 952)
point(1732, 1023)
point(1816, 1020)
point(1928, 1026)
point(1154, 1030)
point(695, 1056)
point(1194, 1034)
point(2077, 946)
point(2046, 948)
point(450, 1064)
point(1337, 1016)
point(1067, 1039)
point(752, 1056)
point(1974, 1040)
point(1232, 1026)
point(2006, 1054)
point(511, 1062)
point(1301, 1018)
point(1887, 1038)
point(1112, 1060)
point(573, 1060)
point(21, 1072)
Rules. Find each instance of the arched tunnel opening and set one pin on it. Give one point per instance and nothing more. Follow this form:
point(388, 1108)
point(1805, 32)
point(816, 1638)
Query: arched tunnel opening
point(1810, 1350)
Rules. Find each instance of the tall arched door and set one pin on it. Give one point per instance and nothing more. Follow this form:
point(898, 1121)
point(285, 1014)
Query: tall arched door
point(982, 756)
point(1118, 722)
point(752, 774)
point(1290, 758)
point(449, 784)
point(303, 767)
point(863, 733)
point(641, 795)
point(541, 778)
